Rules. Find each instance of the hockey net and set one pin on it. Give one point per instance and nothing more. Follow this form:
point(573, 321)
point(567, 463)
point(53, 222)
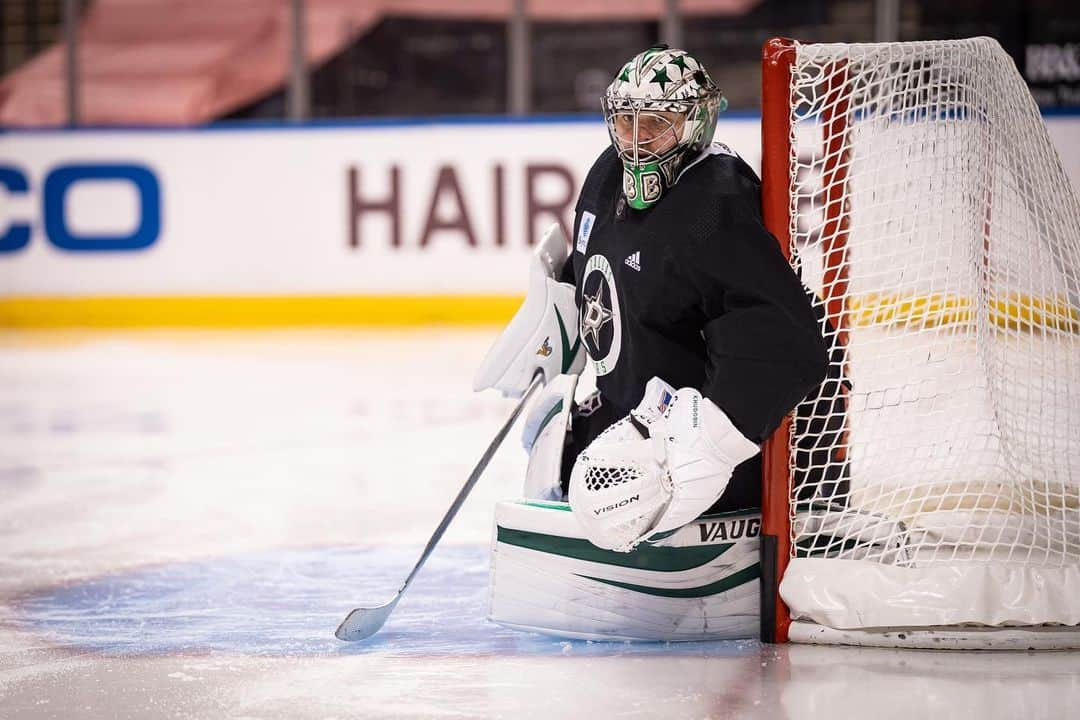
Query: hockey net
point(934, 480)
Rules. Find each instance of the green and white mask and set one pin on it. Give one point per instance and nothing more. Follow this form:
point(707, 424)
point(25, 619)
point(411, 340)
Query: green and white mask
point(661, 112)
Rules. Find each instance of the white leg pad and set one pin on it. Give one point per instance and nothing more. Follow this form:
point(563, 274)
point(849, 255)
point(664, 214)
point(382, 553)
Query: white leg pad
point(698, 583)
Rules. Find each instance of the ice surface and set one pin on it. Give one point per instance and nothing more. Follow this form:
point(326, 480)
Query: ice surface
point(185, 518)
point(287, 602)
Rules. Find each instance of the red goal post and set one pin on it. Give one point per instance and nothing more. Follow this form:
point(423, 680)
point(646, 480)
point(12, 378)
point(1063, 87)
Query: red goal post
point(777, 58)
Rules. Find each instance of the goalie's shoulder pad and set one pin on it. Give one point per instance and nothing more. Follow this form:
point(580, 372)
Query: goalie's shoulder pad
point(543, 334)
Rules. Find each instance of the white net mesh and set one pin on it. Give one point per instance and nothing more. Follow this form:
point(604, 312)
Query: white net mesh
point(931, 215)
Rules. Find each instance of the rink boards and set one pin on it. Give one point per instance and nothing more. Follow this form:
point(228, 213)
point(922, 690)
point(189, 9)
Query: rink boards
point(373, 223)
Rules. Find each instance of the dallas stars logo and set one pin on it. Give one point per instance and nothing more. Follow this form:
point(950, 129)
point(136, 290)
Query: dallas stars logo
point(599, 324)
point(594, 317)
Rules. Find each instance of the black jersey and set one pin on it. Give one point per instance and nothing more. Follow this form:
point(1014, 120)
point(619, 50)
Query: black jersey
point(693, 290)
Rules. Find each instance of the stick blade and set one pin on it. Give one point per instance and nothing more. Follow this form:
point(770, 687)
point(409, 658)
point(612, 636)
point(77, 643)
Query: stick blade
point(362, 623)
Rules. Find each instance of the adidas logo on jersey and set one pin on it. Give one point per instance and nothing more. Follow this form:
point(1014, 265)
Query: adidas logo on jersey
point(634, 260)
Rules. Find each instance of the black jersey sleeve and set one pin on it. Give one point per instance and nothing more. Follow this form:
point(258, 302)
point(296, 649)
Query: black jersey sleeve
point(765, 349)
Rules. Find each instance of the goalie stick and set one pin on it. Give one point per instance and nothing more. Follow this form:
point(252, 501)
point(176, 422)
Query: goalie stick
point(363, 622)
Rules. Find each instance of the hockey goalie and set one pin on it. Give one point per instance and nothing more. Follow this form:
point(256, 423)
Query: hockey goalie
point(640, 513)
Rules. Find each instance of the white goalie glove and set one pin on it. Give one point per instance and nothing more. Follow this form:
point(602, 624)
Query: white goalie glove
point(543, 334)
point(657, 469)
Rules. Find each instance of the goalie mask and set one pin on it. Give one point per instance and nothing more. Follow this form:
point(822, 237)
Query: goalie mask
point(661, 112)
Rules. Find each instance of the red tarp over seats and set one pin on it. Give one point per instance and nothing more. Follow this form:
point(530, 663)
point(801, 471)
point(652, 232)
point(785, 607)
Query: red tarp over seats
point(179, 62)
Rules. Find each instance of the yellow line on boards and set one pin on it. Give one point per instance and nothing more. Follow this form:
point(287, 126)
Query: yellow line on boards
point(913, 312)
point(1015, 311)
point(256, 311)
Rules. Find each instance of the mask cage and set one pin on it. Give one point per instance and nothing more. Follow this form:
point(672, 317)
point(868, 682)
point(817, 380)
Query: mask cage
point(645, 115)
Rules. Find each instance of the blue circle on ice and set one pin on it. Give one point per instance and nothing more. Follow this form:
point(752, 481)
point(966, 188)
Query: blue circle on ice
point(288, 602)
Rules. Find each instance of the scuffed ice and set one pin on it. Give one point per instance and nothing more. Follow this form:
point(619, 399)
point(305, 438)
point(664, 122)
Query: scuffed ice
point(288, 602)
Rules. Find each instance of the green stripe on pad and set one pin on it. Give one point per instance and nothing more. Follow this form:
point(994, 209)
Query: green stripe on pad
point(552, 414)
point(568, 350)
point(731, 581)
point(560, 506)
point(644, 557)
